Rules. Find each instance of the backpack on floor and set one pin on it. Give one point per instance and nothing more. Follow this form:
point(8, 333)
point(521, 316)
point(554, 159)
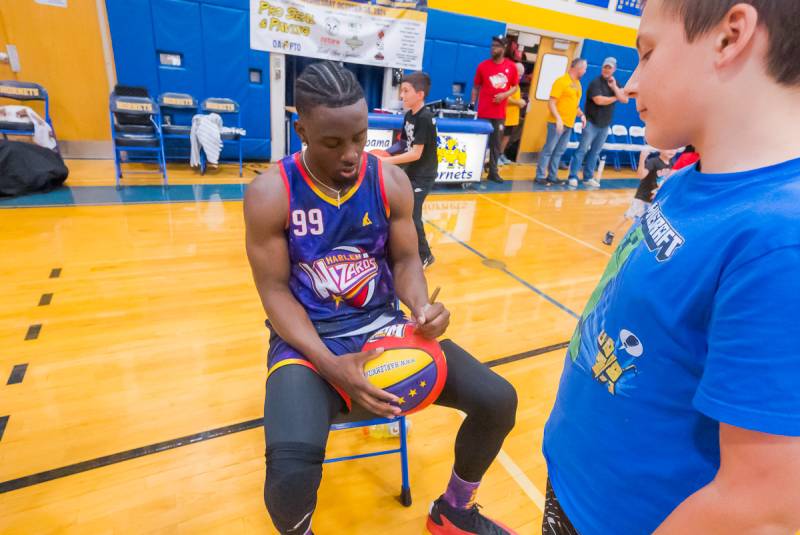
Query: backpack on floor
point(28, 168)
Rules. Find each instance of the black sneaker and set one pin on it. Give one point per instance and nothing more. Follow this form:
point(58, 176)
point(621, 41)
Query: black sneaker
point(609, 239)
point(445, 519)
point(496, 179)
point(426, 262)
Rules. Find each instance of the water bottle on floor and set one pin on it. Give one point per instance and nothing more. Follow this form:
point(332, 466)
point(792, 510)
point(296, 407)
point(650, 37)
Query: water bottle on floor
point(391, 430)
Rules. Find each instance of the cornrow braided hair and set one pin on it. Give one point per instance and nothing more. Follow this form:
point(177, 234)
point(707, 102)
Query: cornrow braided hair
point(326, 84)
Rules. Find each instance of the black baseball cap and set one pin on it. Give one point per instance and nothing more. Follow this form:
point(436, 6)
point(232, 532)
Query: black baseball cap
point(499, 39)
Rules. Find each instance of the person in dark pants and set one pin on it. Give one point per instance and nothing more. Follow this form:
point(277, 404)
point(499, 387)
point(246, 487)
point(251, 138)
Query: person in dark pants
point(496, 79)
point(418, 142)
point(321, 223)
point(563, 105)
point(602, 95)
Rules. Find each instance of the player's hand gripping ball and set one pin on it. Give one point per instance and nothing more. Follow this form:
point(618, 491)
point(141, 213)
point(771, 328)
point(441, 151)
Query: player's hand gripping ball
point(411, 367)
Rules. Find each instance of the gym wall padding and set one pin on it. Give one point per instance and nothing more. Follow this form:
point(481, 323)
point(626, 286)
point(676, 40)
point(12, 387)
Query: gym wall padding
point(627, 59)
point(454, 46)
point(213, 39)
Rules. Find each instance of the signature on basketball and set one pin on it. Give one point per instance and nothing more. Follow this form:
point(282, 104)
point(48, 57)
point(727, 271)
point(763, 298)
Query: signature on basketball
point(383, 368)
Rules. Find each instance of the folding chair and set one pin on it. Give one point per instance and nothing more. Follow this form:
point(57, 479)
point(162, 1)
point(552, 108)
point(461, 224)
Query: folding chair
point(357, 419)
point(618, 144)
point(136, 132)
point(638, 141)
point(24, 92)
point(225, 108)
point(177, 110)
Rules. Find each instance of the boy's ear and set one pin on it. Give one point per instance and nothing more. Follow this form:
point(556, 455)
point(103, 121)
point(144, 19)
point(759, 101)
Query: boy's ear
point(734, 34)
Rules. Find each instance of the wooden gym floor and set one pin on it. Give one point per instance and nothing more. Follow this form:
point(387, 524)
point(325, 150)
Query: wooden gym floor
point(133, 345)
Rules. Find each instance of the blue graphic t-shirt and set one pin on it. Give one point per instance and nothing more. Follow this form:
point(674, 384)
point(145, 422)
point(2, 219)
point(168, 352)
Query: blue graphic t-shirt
point(694, 322)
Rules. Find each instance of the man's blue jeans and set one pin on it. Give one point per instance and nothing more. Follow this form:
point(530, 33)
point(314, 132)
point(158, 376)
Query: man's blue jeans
point(592, 141)
point(552, 152)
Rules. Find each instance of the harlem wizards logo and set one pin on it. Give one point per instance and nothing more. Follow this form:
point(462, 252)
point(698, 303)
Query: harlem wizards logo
point(451, 152)
point(345, 274)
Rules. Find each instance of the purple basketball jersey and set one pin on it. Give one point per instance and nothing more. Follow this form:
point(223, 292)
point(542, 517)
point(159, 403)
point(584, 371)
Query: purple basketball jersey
point(338, 252)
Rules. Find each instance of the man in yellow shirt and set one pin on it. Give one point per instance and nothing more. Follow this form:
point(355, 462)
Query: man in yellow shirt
point(564, 99)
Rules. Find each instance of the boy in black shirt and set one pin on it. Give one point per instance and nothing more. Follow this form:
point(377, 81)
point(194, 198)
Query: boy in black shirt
point(650, 170)
point(418, 158)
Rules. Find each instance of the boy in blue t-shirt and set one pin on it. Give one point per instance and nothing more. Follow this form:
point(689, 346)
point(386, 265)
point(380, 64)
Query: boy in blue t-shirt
point(678, 410)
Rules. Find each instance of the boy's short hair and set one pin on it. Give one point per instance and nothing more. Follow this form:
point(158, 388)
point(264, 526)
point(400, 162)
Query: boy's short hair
point(779, 16)
point(419, 80)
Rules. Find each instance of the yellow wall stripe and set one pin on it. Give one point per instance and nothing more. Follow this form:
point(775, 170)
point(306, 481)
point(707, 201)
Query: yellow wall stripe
point(533, 17)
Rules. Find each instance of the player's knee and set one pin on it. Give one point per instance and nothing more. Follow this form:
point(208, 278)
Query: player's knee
point(503, 403)
point(496, 404)
point(294, 472)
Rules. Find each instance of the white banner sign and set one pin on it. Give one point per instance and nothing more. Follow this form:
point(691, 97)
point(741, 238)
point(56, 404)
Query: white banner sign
point(378, 139)
point(387, 33)
point(460, 155)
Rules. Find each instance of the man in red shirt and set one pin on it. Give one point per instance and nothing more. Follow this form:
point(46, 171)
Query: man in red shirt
point(496, 79)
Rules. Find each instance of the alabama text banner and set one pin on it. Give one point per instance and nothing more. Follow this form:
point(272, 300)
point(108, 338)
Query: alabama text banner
point(386, 33)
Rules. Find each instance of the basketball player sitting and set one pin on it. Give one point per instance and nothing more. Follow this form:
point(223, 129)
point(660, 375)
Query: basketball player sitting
point(332, 246)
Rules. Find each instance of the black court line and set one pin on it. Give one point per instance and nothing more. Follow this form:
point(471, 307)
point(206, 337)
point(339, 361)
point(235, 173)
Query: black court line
point(55, 273)
point(45, 300)
point(526, 354)
point(3, 422)
point(77, 468)
point(33, 332)
point(64, 471)
point(17, 374)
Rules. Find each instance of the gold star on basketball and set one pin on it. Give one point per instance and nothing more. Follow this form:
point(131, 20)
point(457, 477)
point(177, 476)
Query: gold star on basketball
point(423, 384)
point(412, 393)
point(401, 401)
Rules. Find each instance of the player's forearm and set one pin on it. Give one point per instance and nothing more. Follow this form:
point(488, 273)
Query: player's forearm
point(410, 283)
point(717, 509)
point(405, 157)
point(290, 320)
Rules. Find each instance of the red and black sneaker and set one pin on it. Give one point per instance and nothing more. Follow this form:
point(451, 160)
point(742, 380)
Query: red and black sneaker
point(445, 519)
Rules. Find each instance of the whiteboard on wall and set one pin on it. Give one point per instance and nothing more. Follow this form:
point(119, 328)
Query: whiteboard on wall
point(553, 66)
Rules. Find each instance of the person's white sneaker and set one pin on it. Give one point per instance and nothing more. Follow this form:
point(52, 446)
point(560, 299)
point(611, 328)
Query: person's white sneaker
point(572, 183)
point(593, 183)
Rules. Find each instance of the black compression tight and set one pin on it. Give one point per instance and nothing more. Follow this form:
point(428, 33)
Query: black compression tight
point(300, 406)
